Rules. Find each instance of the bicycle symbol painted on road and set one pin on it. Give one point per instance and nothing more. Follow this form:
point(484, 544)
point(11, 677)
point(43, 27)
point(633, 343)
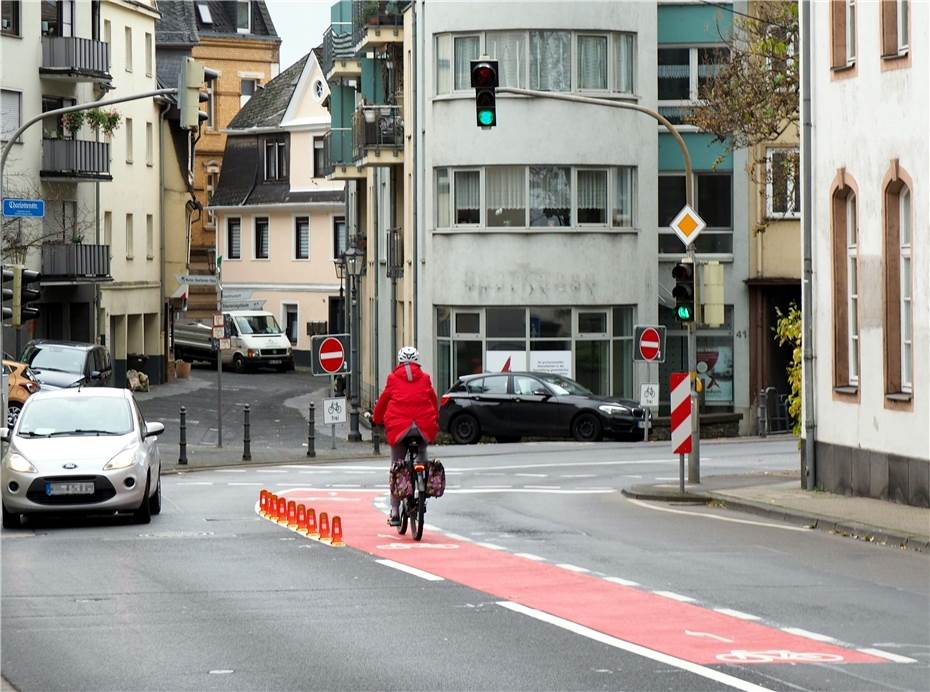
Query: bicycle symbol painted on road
point(776, 655)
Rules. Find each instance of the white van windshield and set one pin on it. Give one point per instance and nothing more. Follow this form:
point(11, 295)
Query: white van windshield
point(258, 324)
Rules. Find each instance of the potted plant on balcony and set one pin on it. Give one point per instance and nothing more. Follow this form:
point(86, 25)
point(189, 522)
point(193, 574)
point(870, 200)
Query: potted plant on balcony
point(103, 121)
point(370, 12)
point(73, 121)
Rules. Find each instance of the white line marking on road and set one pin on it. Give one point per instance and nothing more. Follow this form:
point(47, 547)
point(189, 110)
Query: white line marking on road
point(492, 487)
point(332, 493)
point(343, 485)
point(808, 634)
point(231, 471)
point(543, 487)
point(457, 537)
point(193, 483)
point(707, 634)
point(667, 478)
point(572, 568)
point(530, 556)
point(272, 471)
point(622, 582)
point(465, 491)
point(252, 485)
point(709, 673)
point(492, 546)
point(577, 475)
point(737, 614)
point(532, 475)
point(410, 570)
point(309, 472)
point(640, 503)
point(896, 658)
point(675, 596)
point(563, 465)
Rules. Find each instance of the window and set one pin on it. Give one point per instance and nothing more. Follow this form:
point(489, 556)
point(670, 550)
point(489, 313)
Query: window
point(843, 30)
point(211, 104)
point(233, 238)
point(53, 126)
point(148, 54)
point(107, 228)
point(443, 64)
point(128, 49)
point(506, 196)
point(592, 197)
point(129, 238)
point(291, 321)
point(149, 237)
point(904, 11)
point(243, 16)
point(95, 19)
point(318, 158)
point(203, 11)
point(275, 160)
point(898, 317)
point(57, 17)
point(592, 62)
point(261, 238)
point(850, 31)
point(852, 287)
point(509, 49)
point(443, 198)
point(213, 180)
point(302, 237)
point(108, 36)
point(128, 140)
point(149, 144)
point(624, 60)
point(683, 77)
point(624, 197)
point(550, 196)
point(340, 238)
point(895, 17)
point(466, 50)
point(467, 189)
point(10, 113)
point(907, 311)
point(247, 89)
point(550, 60)
point(713, 199)
point(782, 183)
point(10, 17)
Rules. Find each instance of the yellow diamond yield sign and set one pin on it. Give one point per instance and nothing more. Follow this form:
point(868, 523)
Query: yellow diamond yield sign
point(687, 225)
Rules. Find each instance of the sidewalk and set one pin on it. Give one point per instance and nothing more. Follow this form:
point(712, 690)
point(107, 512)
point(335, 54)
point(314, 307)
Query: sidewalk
point(781, 496)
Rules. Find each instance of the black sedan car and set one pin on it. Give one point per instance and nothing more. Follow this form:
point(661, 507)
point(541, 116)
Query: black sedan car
point(512, 405)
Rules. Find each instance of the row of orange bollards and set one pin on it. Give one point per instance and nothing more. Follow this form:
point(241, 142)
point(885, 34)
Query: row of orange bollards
point(300, 518)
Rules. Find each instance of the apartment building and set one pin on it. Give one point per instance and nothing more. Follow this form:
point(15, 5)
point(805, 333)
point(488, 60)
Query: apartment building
point(870, 216)
point(281, 222)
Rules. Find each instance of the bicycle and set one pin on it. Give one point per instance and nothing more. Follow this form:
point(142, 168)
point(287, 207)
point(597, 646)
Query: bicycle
point(413, 506)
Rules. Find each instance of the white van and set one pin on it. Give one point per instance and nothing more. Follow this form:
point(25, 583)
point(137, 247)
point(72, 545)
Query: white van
point(256, 340)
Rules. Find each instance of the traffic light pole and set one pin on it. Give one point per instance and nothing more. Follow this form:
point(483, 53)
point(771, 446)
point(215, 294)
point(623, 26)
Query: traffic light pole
point(694, 459)
point(6, 152)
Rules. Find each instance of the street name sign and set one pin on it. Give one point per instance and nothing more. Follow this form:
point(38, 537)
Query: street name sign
point(649, 342)
point(329, 354)
point(24, 207)
point(219, 332)
point(243, 304)
point(688, 225)
point(196, 279)
point(334, 411)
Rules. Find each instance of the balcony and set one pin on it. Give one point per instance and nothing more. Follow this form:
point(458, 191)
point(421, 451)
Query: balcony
point(378, 136)
point(75, 160)
point(377, 23)
point(75, 59)
point(337, 156)
point(339, 61)
point(75, 263)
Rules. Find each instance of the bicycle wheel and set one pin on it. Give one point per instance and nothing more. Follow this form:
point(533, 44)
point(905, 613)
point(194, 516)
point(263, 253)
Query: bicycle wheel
point(416, 518)
point(402, 529)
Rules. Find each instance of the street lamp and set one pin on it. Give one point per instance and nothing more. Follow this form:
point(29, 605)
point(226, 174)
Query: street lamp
point(340, 264)
point(354, 262)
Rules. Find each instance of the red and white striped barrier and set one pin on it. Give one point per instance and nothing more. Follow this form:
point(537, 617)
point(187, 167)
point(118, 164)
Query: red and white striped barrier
point(681, 412)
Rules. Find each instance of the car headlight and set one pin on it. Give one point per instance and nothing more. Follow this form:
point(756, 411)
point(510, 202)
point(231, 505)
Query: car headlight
point(123, 460)
point(611, 409)
point(17, 462)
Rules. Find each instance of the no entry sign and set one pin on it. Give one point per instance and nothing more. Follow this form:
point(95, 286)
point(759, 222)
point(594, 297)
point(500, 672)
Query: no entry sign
point(650, 343)
point(330, 354)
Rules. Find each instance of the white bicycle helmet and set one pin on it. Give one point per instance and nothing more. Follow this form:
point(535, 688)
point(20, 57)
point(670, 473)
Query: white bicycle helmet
point(408, 354)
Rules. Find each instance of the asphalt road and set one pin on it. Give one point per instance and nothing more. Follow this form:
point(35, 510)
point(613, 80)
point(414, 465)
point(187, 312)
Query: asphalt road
point(211, 596)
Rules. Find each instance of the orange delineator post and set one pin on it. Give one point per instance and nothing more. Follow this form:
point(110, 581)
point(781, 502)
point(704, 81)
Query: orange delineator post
point(324, 527)
point(301, 519)
point(337, 532)
point(262, 501)
point(292, 513)
point(312, 531)
point(281, 516)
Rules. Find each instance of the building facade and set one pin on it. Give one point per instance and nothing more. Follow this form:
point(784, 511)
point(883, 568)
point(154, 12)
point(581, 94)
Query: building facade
point(281, 222)
point(870, 215)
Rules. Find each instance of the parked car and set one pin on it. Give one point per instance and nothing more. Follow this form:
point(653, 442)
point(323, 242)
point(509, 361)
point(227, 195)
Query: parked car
point(81, 450)
point(59, 364)
point(21, 384)
point(256, 339)
point(509, 406)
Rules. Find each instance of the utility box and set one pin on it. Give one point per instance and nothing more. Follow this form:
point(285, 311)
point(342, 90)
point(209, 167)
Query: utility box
point(713, 295)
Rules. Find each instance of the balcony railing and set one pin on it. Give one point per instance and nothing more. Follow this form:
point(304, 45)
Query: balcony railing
point(78, 59)
point(376, 128)
point(336, 46)
point(375, 13)
point(75, 159)
point(75, 262)
point(337, 149)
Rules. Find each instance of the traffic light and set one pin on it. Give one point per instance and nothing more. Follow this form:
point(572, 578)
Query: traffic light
point(7, 293)
point(191, 80)
point(484, 80)
point(24, 297)
point(683, 273)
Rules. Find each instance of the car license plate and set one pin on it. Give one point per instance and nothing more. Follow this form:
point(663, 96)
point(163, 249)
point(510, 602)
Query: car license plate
point(76, 488)
point(275, 361)
point(640, 424)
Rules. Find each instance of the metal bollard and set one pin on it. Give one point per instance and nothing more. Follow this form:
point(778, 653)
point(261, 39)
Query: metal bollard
point(246, 439)
point(376, 438)
point(182, 455)
point(311, 432)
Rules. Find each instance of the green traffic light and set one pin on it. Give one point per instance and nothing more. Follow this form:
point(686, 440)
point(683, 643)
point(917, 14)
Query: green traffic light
point(486, 118)
point(684, 313)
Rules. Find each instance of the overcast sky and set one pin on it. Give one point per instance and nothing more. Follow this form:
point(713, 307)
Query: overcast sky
point(300, 24)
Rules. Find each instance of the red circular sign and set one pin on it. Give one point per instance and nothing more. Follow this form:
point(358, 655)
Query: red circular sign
point(332, 355)
point(649, 344)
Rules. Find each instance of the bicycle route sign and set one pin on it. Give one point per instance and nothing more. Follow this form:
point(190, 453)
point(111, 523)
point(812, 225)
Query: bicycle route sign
point(334, 411)
point(329, 354)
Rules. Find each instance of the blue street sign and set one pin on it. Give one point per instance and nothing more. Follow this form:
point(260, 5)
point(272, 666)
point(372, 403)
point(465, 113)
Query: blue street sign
point(24, 207)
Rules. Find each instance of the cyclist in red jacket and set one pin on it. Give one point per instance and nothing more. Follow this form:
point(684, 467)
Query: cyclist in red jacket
point(408, 401)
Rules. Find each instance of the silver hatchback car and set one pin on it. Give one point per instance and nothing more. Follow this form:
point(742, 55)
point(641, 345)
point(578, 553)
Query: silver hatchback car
point(81, 450)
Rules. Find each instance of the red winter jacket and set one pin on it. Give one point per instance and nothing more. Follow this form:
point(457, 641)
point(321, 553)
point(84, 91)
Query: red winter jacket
point(405, 401)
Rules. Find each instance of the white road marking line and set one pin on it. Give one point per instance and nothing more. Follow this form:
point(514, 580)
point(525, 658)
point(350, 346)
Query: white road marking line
point(896, 658)
point(253, 485)
point(492, 487)
point(543, 487)
point(577, 475)
point(466, 491)
point(309, 472)
point(572, 568)
point(807, 634)
point(532, 475)
point(457, 537)
point(675, 596)
point(737, 614)
point(410, 570)
point(631, 476)
point(492, 546)
point(273, 471)
point(622, 582)
point(562, 465)
point(343, 485)
point(193, 483)
point(733, 520)
point(332, 493)
point(667, 478)
point(530, 556)
point(708, 635)
point(231, 471)
point(709, 673)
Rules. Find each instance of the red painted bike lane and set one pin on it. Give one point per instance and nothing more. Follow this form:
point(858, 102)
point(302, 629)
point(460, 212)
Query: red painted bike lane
point(684, 630)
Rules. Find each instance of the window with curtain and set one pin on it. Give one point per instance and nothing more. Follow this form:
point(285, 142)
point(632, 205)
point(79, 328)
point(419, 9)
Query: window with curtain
point(551, 60)
point(592, 196)
point(443, 200)
point(852, 287)
point(9, 113)
point(624, 196)
point(467, 197)
point(443, 64)
point(710, 63)
point(624, 62)
point(907, 318)
point(302, 237)
point(506, 195)
point(550, 196)
point(782, 183)
point(509, 49)
point(466, 50)
point(592, 62)
point(674, 72)
point(233, 238)
point(261, 238)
